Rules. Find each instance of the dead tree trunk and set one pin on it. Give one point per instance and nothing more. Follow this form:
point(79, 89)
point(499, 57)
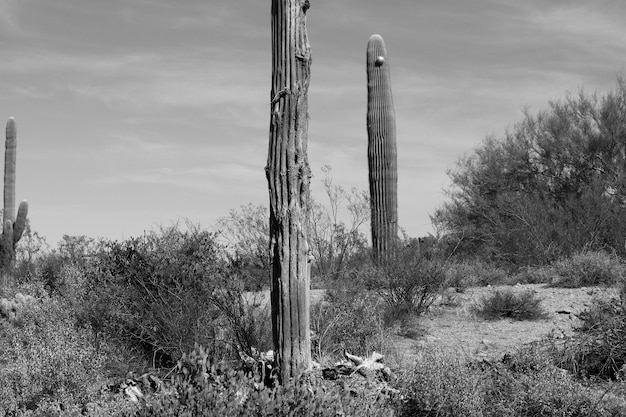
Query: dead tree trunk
point(288, 176)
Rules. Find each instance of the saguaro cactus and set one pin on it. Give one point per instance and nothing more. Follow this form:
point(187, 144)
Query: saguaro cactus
point(288, 175)
point(13, 226)
point(381, 151)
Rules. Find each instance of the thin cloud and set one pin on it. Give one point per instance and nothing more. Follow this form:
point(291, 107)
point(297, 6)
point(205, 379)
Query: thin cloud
point(39, 61)
point(214, 179)
point(131, 143)
point(589, 23)
point(8, 16)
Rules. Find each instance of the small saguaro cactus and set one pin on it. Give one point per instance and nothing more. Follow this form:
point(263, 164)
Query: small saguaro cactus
point(381, 151)
point(13, 226)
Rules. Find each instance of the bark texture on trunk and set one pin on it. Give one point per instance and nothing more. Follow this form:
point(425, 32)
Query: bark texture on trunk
point(288, 176)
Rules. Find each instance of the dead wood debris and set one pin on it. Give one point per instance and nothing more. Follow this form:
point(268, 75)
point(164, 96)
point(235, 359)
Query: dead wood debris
point(368, 367)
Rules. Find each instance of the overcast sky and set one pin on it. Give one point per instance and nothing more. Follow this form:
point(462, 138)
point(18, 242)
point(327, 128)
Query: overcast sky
point(136, 113)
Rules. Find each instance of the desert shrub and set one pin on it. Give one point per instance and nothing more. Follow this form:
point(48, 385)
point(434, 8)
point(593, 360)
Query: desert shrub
point(534, 275)
point(167, 291)
point(49, 362)
point(200, 387)
point(586, 269)
point(247, 318)
point(49, 271)
point(349, 319)
point(439, 385)
point(528, 384)
point(506, 303)
point(598, 346)
point(245, 232)
point(459, 275)
point(476, 273)
point(523, 384)
point(409, 283)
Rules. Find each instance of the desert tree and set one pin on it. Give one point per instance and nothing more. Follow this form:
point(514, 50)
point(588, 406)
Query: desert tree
point(554, 184)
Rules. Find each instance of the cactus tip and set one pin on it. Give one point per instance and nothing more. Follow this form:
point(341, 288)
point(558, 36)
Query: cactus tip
point(10, 129)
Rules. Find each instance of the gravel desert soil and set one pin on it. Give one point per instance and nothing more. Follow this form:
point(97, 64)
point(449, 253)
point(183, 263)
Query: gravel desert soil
point(451, 326)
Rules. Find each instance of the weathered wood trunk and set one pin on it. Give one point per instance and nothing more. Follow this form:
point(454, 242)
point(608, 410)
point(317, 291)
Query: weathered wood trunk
point(288, 176)
point(381, 152)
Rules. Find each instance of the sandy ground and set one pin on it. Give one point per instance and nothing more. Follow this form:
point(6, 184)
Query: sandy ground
point(452, 327)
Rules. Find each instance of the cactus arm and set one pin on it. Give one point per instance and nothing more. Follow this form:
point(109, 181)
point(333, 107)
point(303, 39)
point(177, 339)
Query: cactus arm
point(20, 222)
point(382, 152)
point(7, 236)
point(9, 170)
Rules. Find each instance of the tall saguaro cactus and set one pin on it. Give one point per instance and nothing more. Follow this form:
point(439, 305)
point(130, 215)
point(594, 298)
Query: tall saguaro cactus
point(288, 175)
point(381, 151)
point(13, 226)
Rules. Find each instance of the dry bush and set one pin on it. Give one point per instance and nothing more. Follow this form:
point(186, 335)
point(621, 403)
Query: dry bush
point(48, 362)
point(409, 283)
point(475, 273)
point(534, 275)
point(506, 303)
point(440, 385)
point(586, 269)
point(169, 290)
point(598, 346)
point(350, 319)
point(522, 384)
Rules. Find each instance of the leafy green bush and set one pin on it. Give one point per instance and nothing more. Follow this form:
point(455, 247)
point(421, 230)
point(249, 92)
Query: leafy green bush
point(586, 269)
point(506, 303)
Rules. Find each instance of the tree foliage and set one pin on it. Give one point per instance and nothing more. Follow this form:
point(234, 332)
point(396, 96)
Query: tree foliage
point(553, 185)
